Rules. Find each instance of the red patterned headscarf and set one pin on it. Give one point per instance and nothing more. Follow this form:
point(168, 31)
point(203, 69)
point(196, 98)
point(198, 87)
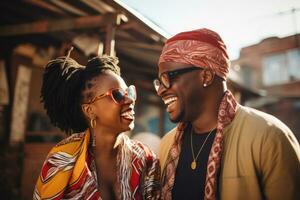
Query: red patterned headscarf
point(202, 48)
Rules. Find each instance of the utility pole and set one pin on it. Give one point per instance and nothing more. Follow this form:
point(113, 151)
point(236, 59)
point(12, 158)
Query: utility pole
point(293, 13)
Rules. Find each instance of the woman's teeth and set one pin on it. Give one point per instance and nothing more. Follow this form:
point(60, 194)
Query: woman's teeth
point(128, 114)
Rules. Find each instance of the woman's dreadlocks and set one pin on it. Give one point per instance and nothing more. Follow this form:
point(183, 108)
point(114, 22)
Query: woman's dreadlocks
point(64, 82)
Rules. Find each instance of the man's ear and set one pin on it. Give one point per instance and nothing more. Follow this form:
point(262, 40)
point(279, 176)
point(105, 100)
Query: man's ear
point(207, 77)
point(87, 110)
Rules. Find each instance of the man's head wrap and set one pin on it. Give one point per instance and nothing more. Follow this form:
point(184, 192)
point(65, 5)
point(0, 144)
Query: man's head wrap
point(202, 48)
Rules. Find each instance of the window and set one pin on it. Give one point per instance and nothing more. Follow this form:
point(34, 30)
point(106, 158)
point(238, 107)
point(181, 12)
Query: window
point(293, 57)
point(281, 68)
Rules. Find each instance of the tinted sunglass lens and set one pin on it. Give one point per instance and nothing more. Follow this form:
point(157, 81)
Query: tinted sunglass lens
point(156, 84)
point(132, 92)
point(165, 80)
point(118, 95)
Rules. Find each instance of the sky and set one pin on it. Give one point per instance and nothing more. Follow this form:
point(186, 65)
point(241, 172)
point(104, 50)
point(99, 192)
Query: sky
point(239, 22)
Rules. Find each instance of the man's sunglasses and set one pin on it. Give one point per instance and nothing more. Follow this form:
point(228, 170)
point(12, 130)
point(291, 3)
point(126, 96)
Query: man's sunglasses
point(118, 95)
point(166, 78)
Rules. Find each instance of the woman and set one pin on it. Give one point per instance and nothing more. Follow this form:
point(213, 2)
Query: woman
point(94, 105)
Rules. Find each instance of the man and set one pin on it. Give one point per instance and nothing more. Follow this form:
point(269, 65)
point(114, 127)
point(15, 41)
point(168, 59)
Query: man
point(219, 149)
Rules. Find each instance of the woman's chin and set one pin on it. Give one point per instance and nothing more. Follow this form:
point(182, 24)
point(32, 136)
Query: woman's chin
point(128, 122)
point(131, 126)
point(128, 126)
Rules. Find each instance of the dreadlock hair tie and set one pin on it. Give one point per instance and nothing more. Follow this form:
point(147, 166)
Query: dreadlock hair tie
point(104, 62)
point(66, 68)
point(68, 56)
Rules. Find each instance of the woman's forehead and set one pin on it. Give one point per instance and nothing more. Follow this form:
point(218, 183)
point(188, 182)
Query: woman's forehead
point(109, 80)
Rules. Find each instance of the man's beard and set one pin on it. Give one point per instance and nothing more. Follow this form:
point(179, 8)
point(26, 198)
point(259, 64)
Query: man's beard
point(179, 117)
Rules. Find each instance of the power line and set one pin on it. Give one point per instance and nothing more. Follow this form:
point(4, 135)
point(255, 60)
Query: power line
point(293, 14)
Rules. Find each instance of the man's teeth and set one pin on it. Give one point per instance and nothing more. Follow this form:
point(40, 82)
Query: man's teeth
point(170, 100)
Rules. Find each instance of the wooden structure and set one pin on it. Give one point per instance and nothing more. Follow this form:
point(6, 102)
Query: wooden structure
point(109, 26)
point(34, 31)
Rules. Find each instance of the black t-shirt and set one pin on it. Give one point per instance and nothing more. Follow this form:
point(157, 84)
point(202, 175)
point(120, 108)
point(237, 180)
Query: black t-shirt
point(189, 184)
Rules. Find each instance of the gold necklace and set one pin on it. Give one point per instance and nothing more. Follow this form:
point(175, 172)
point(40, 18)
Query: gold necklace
point(194, 164)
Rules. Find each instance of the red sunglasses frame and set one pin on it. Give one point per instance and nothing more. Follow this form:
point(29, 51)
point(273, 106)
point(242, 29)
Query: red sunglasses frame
point(110, 93)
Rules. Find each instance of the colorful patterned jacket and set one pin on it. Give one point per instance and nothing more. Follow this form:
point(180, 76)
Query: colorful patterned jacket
point(69, 171)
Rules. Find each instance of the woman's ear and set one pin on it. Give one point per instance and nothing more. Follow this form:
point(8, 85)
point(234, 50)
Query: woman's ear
point(87, 110)
point(207, 77)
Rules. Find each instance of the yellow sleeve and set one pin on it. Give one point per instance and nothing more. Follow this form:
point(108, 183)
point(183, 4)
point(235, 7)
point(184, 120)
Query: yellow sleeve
point(165, 146)
point(280, 165)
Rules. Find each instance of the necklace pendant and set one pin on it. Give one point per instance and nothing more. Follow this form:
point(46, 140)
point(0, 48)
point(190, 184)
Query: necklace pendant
point(193, 165)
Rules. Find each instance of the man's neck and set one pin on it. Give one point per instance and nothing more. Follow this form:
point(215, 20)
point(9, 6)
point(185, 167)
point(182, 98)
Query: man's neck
point(204, 125)
point(208, 120)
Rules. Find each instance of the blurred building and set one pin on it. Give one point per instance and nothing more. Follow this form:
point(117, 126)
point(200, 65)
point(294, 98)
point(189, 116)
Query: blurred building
point(274, 66)
point(32, 33)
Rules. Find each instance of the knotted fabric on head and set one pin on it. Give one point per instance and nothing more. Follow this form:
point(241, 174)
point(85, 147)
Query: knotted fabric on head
point(202, 48)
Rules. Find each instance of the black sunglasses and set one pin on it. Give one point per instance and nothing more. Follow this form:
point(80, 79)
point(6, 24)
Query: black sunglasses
point(166, 77)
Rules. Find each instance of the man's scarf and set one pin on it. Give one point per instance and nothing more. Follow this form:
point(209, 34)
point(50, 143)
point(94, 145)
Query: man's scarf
point(201, 48)
point(226, 113)
point(69, 171)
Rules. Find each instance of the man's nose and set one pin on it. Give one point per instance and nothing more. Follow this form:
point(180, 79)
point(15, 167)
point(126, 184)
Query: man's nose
point(161, 89)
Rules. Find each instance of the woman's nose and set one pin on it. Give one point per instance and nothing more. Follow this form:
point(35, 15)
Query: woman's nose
point(129, 100)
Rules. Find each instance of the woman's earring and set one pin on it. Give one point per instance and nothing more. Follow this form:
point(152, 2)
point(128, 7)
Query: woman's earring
point(94, 139)
point(204, 85)
point(93, 123)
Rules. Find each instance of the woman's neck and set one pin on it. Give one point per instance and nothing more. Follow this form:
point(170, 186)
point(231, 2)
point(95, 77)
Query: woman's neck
point(104, 143)
point(105, 160)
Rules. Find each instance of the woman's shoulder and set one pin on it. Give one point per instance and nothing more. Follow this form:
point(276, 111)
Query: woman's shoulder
point(70, 144)
point(144, 148)
point(75, 137)
point(139, 149)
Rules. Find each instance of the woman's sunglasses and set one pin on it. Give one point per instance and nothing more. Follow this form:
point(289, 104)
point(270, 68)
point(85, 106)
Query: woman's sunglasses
point(118, 95)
